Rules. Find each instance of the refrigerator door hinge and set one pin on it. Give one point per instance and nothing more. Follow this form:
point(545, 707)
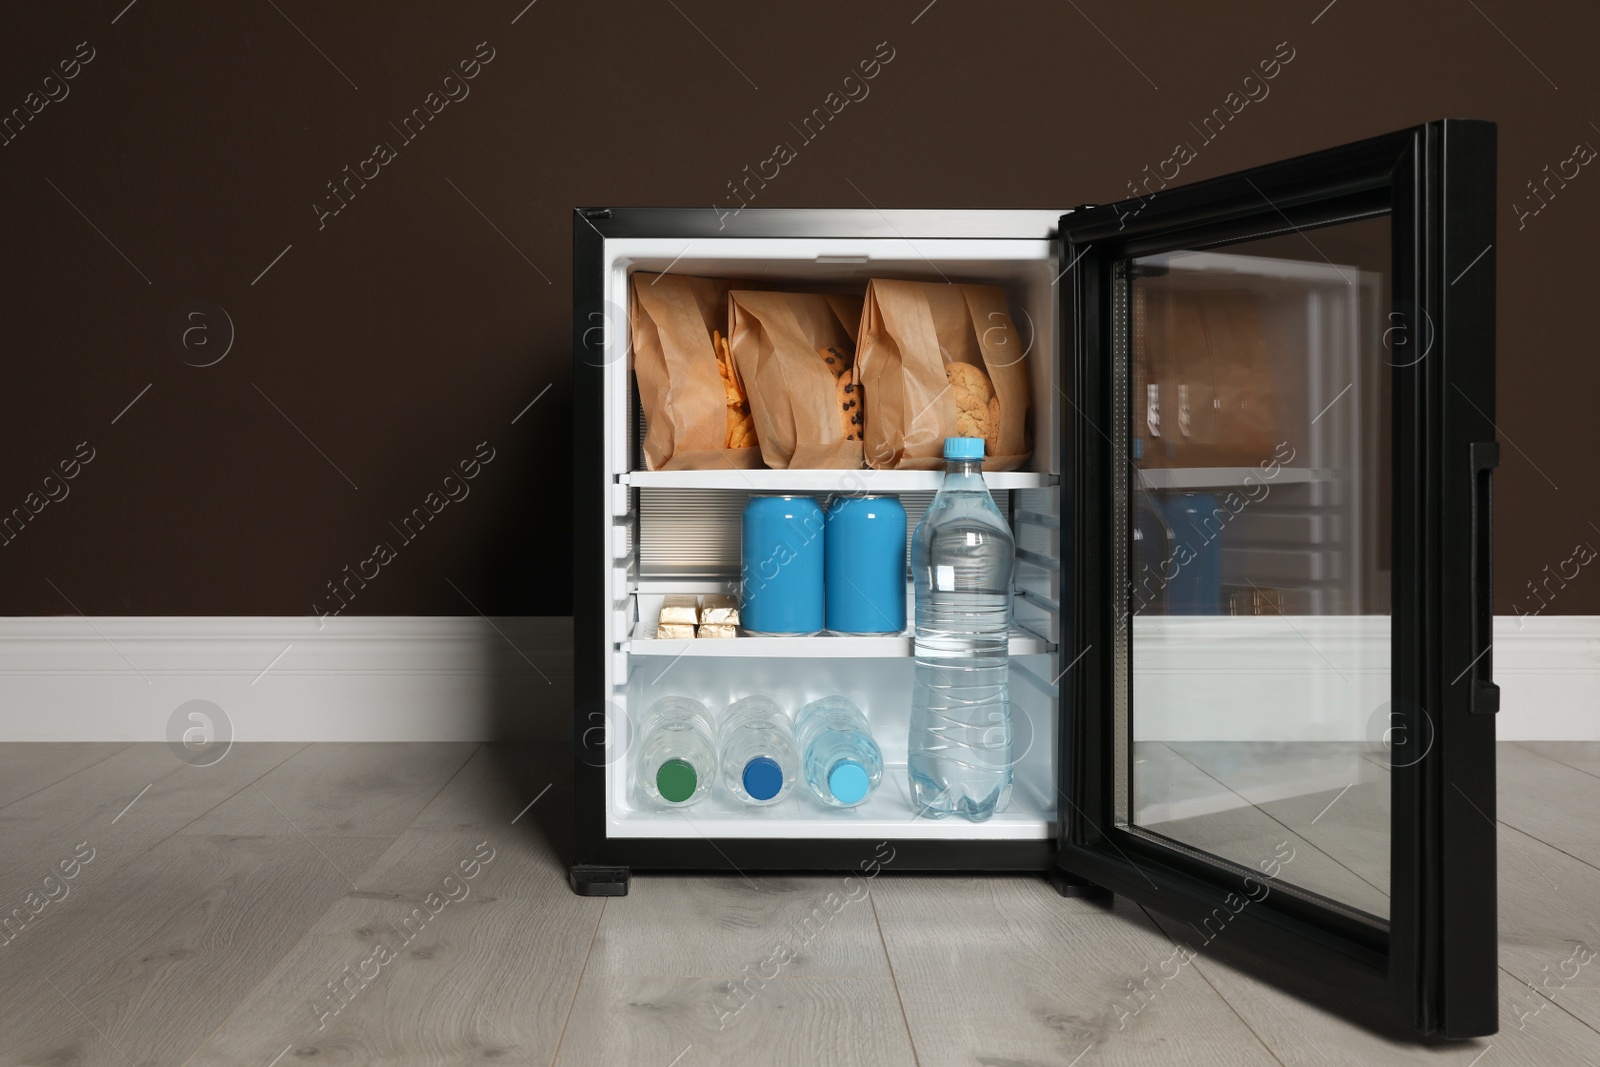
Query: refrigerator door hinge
point(595, 212)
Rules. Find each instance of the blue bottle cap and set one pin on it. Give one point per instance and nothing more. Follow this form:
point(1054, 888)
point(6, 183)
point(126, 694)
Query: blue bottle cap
point(848, 782)
point(763, 778)
point(963, 448)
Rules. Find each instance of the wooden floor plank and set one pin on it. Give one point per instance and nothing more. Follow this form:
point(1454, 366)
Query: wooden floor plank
point(1167, 786)
point(1549, 910)
point(390, 974)
point(1580, 755)
point(1304, 1024)
point(153, 962)
point(206, 919)
point(1252, 834)
point(490, 975)
point(1550, 801)
point(29, 766)
point(782, 1022)
point(1549, 926)
point(1266, 771)
point(36, 824)
point(496, 785)
point(342, 789)
point(1350, 826)
point(1001, 970)
point(77, 814)
point(720, 925)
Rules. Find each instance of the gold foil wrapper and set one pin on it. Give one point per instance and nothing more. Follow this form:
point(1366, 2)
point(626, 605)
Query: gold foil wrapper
point(674, 631)
point(679, 608)
point(719, 608)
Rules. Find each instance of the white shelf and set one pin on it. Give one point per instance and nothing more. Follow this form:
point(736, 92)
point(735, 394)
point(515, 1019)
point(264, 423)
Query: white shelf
point(888, 814)
point(862, 480)
point(826, 646)
point(1225, 477)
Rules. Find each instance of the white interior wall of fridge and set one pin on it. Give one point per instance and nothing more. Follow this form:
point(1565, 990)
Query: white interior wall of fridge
point(678, 531)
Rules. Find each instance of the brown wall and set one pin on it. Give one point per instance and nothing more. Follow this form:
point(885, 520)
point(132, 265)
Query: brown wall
point(386, 344)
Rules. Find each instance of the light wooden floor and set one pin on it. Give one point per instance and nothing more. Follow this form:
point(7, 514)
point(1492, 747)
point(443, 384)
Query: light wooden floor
point(370, 903)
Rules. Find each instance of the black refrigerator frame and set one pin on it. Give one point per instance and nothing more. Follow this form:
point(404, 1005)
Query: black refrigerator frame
point(1435, 967)
point(601, 865)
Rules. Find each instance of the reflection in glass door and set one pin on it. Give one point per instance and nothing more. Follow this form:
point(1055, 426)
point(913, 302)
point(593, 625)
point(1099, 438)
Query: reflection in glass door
point(1257, 555)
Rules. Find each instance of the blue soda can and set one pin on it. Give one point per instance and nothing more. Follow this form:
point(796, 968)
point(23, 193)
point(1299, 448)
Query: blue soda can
point(1196, 589)
point(782, 570)
point(865, 565)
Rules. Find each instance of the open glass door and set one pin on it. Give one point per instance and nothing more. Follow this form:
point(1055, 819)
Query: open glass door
point(1281, 719)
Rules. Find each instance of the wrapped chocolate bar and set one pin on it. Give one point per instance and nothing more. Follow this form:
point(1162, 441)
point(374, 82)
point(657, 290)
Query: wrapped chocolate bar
point(719, 608)
point(679, 614)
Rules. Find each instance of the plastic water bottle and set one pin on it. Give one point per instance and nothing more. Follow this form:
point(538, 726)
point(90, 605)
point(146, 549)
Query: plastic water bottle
point(842, 762)
point(677, 754)
point(760, 760)
point(962, 558)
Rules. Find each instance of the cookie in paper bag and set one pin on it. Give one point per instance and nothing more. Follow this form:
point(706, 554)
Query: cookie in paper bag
point(977, 407)
point(837, 359)
point(741, 431)
point(851, 412)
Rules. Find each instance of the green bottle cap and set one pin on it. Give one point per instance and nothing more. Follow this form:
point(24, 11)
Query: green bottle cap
point(677, 780)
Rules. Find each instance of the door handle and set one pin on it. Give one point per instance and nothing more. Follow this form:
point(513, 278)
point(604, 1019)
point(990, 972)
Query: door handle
point(1485, 693)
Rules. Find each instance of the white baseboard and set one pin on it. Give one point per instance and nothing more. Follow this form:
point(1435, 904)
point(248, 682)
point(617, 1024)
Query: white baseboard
point(1548, 669)
point(357, 678)
point(1326, 678)
point(411, 678)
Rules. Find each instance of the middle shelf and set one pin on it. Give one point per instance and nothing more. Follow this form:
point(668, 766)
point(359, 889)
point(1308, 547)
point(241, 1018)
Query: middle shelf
point(860, 480)
point(826, 646)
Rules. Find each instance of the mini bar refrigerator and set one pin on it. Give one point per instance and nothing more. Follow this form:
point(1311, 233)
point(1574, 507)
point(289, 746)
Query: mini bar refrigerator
point(1251, 674)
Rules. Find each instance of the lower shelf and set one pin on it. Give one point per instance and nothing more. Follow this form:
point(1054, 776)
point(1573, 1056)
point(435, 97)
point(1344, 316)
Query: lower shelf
point(888, 815)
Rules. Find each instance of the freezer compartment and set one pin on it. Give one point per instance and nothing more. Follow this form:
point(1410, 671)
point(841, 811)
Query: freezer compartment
point(882, 688)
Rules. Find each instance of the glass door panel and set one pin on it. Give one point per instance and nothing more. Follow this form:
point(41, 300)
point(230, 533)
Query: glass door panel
point(1279, 705)
point(1259, 554)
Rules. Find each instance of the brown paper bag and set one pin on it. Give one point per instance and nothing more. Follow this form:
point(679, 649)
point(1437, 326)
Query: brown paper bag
point(684, 401)
point(1216, 396)
point(779, 343)
point(909, 332)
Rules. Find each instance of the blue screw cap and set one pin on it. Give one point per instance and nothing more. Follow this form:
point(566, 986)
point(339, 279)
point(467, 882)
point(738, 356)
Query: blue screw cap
point(848, 782)
point(963, 448)
point(763, 778)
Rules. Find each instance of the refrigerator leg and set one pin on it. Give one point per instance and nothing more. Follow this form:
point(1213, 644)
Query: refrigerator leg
point(1070, 885)
point(587, 881)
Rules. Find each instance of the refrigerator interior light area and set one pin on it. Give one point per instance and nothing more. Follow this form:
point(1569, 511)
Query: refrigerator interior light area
point(1252, 552)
